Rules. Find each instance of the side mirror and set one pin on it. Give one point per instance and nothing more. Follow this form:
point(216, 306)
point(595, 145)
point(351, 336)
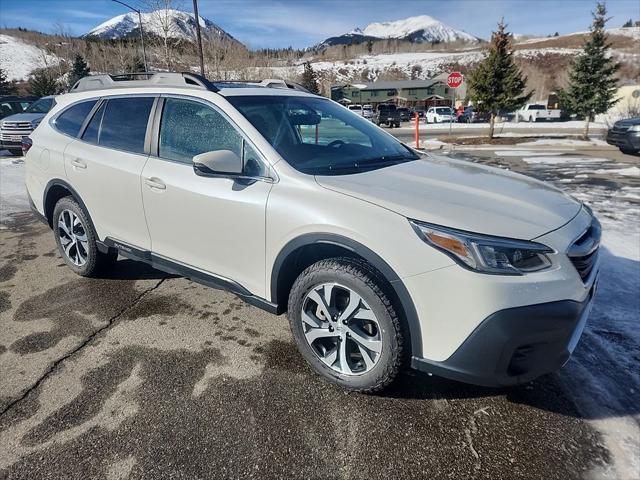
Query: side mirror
point(217, 163)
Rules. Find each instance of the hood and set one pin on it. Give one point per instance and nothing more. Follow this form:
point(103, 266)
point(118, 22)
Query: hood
point(24, 117)
point(462, 195)
point(628, 122)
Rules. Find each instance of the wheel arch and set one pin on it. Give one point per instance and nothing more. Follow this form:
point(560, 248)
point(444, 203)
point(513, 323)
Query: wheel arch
point(54, 191)
point(307, 249)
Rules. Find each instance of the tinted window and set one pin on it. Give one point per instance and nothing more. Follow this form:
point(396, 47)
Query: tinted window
point(124, 123)
point(41, 106)
point(72, 118)
point(189, 128)
point(91, 132)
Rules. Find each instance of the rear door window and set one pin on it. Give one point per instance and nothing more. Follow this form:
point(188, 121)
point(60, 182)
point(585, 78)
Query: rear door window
point(124, 123)
point(72, 118)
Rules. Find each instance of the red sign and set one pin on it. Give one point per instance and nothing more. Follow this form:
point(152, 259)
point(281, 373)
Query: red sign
point(455, 79)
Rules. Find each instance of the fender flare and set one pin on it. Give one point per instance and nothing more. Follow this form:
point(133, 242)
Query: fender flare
point(399, 289)
point(57, 182)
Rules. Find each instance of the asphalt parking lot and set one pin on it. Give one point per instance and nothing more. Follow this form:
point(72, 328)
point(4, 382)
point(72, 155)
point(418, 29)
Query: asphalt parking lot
point(143, 375)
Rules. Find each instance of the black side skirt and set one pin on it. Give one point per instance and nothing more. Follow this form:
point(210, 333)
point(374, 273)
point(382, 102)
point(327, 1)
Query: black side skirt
point(174, 268)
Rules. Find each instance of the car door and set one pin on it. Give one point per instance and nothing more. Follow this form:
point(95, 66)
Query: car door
point(105, 165)
point(213, 224)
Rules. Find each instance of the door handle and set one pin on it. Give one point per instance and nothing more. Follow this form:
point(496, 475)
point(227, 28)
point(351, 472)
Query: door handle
point(78, 163)
point(154, 182)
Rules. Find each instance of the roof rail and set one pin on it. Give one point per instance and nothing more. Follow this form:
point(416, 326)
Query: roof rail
point(169, 79)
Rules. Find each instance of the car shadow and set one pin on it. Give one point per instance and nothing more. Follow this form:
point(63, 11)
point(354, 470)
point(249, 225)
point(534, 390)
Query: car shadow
point(126, 269)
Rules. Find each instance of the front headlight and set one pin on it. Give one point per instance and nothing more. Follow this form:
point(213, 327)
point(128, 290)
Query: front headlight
point(35, 123)
point(484, 253)
point(634, 128)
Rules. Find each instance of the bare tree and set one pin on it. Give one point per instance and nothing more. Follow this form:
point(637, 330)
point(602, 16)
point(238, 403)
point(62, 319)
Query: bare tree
point(162, 17)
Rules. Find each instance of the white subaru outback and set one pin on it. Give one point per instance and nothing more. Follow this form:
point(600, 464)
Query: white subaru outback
point(380, 255)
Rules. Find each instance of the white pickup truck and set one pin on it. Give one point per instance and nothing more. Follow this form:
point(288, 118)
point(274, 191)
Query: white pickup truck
point(532, 112)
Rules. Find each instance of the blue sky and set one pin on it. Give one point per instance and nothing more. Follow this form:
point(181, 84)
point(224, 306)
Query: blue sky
point(301, 23)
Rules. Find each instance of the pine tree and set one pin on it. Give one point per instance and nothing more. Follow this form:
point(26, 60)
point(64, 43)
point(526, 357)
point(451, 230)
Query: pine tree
point(309, 79)
point(497, 83)
point(79, 69)
point(628, 24)
point(592, 86)
point(7, 87)
point(41, 84)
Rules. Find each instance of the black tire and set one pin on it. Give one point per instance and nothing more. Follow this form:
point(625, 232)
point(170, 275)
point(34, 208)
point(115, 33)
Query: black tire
point(16, 152)
point(397, 125)
point(96, 261)
point(370, 285)
point(628, 151)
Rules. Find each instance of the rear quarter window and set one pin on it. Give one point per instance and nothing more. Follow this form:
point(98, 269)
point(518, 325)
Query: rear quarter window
point(70, 121)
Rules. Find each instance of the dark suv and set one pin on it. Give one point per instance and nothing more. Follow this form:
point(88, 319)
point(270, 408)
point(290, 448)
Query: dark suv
point(625, 134)
point(387, 114)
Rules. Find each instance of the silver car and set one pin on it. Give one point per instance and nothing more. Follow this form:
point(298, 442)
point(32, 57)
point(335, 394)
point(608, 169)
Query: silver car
point(14, 127)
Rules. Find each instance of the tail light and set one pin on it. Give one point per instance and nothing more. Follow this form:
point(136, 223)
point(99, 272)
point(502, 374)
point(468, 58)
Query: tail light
point(26, 145)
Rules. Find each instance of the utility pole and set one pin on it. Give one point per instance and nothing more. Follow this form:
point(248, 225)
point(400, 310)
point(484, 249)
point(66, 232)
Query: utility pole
point(144, 53)
point(195, 13)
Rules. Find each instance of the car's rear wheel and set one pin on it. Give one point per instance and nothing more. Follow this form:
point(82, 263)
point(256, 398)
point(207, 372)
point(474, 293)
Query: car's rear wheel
point(76, 239)
point(345, 325)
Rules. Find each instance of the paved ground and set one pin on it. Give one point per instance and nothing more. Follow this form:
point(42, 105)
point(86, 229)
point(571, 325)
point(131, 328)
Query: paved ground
point(142, 375)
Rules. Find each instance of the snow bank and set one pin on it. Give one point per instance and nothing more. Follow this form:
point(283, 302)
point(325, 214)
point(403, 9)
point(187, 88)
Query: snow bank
point(18, 59)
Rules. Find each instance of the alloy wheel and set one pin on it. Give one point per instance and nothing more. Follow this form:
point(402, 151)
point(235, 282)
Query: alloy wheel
point(341, 329)
point(73, 237)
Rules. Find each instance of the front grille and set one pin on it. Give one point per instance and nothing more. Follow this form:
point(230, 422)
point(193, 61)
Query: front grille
point(8, 125)
point(13, 137)
point(584, 251)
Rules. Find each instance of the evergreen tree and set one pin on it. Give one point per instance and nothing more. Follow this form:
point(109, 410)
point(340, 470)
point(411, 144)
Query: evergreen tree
point(79, 69)
point(497, 83)
point(309, 79)
point(628, 24)
point(592, 86)
point(41, 84)
point(7, 87)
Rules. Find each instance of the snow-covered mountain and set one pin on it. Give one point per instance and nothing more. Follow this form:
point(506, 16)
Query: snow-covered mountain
point(180, 25)
point(419, 29)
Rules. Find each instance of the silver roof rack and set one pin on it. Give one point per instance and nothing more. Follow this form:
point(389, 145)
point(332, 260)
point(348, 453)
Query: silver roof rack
point(126, 80)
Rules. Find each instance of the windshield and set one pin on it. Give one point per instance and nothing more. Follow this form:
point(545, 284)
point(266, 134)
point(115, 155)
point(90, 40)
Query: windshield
point(444, 111)
point(41, 106)
point(320, 137)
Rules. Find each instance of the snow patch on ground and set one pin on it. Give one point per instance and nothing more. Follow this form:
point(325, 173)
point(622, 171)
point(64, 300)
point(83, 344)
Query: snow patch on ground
point(569, 142)
point(18, 59)
point(13, 194)
point(564, 160)
point(627, 172)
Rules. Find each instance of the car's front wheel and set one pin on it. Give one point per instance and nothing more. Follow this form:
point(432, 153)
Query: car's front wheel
point(76, 239)
point(345, 325)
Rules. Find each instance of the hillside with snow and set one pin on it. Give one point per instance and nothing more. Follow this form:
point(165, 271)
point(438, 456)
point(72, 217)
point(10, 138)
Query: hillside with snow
point(18, 59)
point(176, 24)
point(418, 29)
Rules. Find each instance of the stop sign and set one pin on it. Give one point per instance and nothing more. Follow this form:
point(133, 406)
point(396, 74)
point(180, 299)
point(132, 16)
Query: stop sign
point(454, 80)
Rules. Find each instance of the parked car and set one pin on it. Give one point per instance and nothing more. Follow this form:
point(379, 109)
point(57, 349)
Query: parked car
point(420, 111)
point(367, 111)
point(382, 257)
point(11, 104)
point(386, 114)
point(470, 115)
point(405, 115)
point(356, 109)
point(14, 127)
point(625, 134)
point(440, 115)
point(532, 112)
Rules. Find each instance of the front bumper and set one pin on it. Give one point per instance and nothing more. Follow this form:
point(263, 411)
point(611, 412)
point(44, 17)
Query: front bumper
point(626, 140)
point(516, 345)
